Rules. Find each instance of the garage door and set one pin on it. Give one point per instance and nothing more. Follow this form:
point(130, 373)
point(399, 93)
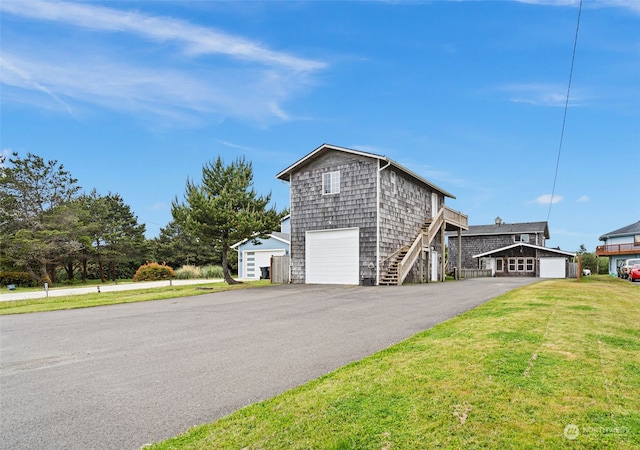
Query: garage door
point(553, 268)
point(333, 256)
point(254, 259)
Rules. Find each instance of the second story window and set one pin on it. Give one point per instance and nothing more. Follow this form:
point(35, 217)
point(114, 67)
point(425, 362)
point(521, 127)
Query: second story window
point(521, 238)
point(331, 183)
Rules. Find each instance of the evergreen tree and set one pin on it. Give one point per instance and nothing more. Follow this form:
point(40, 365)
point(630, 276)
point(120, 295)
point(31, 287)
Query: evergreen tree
point(37, 215)
point(177, 247)
point(225, 208)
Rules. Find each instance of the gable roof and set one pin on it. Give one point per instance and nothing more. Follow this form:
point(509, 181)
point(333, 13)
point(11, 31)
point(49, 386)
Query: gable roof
point(508, 228)
point(278, 236)
point(285, 175)
point(629, 230)
point(522, 244)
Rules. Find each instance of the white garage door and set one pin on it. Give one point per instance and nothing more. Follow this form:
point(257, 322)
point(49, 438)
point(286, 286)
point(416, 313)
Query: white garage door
point(254, 259)
point(333, 256)
point(553, 268)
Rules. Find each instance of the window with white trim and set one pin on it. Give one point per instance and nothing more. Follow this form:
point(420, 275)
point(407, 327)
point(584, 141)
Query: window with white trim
point(331, 183)
point(529, 264)
point(521, 238)
point(521, 265)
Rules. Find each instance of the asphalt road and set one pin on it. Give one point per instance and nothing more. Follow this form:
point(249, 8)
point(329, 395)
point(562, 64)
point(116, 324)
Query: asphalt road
point(125, 375)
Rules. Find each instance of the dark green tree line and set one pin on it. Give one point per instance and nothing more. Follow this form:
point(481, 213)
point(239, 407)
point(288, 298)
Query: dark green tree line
point(46, 224)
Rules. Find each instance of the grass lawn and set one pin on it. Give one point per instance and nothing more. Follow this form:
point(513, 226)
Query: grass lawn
point(113, 298)
point(552, 365)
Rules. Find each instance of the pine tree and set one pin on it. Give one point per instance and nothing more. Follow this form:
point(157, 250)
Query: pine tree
point(225, 209)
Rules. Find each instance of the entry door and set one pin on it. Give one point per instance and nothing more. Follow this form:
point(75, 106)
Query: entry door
point(434, 204)
point(434, 266)
point(489, 263)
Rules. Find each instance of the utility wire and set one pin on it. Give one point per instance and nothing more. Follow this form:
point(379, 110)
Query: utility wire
point(566, 107)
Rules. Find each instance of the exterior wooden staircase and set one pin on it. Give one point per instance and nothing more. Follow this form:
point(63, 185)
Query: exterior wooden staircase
point(406, 257)
point(390, 277)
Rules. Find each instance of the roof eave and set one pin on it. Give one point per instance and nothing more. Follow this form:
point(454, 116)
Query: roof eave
point(285, 175)
point(520, 244)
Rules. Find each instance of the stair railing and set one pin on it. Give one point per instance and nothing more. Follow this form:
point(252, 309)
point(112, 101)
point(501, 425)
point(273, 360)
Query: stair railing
point(422, 240)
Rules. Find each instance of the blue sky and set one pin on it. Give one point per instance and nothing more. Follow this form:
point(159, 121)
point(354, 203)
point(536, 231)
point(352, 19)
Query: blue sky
point(133, 97)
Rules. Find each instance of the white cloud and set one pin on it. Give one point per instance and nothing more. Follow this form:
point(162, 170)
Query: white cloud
point(547, 198)
point(238, 78)
point(583, 199)
point(197, 40)
point(542, 94)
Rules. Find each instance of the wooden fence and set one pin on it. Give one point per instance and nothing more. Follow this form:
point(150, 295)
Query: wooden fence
point(475, 273)
point(280, 269)
point(574, 270)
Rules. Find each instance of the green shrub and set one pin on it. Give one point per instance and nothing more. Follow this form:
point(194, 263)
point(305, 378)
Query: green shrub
point(17, 278)
point(154, 272)
point(188, 273)
point(212, 272)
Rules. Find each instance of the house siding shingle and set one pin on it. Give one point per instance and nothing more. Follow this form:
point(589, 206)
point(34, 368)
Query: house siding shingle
point(353, 206)
point(475, 245)
point(402, 214)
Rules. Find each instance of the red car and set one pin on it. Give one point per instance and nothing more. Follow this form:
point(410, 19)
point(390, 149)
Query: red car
point(634, 273)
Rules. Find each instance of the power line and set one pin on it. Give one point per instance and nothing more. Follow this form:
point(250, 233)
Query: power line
point(566, 107)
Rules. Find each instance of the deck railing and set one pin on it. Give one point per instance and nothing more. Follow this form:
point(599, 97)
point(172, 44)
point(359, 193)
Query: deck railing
point(456, 218)
point(618, 249)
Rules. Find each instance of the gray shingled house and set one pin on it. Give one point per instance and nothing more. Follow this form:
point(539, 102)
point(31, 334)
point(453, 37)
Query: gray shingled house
point(361, 218)
point(511, 249)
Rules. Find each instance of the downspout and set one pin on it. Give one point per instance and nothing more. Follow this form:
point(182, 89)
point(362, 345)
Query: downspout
point(378, 192)
point(291, 231)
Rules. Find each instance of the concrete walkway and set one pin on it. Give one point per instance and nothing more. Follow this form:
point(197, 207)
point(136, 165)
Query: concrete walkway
point(7, 295)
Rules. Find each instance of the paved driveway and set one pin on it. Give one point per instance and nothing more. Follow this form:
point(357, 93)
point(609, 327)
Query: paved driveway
point(125, 375)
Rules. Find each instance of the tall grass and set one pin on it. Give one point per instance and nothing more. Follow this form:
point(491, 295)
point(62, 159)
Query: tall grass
point(193, 272)
point(188, 272)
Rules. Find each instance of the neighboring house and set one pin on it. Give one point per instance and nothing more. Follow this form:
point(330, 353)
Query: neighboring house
point(254, 254)
point(361, 218)
point(619, 245)
point(511, 249)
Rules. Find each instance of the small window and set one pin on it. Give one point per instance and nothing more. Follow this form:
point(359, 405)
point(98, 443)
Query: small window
point(499, 265)
point(512, 264)
point(529, 264)
point(521, 238)
point(331, 183)
point(520, 264)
